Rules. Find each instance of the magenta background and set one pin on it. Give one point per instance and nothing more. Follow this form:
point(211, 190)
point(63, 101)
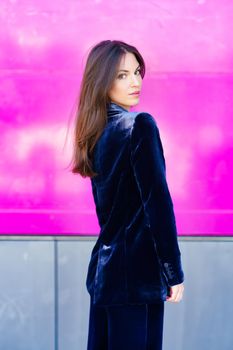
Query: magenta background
point(188, 87)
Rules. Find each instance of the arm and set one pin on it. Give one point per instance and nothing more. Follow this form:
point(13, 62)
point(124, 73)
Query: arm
point(149, 168)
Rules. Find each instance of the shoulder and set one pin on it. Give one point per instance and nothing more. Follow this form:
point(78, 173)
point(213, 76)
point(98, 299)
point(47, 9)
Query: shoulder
point(136, 124)
point(144, 124)
point(135, 119)
point(145, 133)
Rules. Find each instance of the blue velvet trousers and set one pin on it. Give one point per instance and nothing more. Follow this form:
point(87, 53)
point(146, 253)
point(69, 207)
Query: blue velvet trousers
point(126, 327)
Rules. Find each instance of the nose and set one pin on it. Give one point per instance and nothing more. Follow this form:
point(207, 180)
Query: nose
point(135, 80)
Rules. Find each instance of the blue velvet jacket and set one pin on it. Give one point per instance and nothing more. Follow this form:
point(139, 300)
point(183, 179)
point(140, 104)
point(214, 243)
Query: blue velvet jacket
point(136, 257)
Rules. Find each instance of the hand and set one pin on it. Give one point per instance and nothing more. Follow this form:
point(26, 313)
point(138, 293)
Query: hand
point(176, 293)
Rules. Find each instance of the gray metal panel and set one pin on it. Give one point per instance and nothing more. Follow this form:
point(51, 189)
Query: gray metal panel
point(203, 320)
point(73, 258)
point(26, 295)
point(28, 276)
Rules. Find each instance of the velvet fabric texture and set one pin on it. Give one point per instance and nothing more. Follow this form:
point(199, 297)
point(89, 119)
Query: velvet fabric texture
point(136, 257)
point(126, 327)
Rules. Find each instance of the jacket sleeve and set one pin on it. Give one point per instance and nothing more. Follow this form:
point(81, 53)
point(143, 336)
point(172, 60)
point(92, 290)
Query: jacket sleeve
point(147, 160)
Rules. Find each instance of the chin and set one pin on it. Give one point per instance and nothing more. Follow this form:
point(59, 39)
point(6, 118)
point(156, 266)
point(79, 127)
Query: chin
point(134, 103)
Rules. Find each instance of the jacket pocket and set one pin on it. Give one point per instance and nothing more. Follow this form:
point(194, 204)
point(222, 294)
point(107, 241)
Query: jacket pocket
point(110, 281)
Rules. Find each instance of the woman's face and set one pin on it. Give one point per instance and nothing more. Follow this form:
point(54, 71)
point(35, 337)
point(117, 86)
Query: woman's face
point(127, 81)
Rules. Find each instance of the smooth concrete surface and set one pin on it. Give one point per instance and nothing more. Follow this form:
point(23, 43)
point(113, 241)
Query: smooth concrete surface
point(44, 303)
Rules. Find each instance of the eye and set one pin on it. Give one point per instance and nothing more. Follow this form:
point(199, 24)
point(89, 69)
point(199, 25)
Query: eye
point(121, 75)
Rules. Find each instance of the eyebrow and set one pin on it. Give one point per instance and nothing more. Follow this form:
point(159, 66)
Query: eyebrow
point(123, 70)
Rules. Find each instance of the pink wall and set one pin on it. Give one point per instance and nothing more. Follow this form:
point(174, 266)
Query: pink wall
point(188, 88)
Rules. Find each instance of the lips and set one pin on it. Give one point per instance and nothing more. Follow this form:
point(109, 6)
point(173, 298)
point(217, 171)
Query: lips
point(135, 93)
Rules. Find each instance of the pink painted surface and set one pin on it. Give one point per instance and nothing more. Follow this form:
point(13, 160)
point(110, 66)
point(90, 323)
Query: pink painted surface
point(188, 88)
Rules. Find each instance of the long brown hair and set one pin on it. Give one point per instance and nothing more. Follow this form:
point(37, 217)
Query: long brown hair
point(91, 111)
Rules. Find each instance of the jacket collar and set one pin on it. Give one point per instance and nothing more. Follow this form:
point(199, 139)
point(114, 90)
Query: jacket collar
point(114, 109)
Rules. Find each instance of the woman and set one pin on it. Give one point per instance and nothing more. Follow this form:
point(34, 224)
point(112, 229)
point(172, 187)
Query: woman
point(135, 265)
